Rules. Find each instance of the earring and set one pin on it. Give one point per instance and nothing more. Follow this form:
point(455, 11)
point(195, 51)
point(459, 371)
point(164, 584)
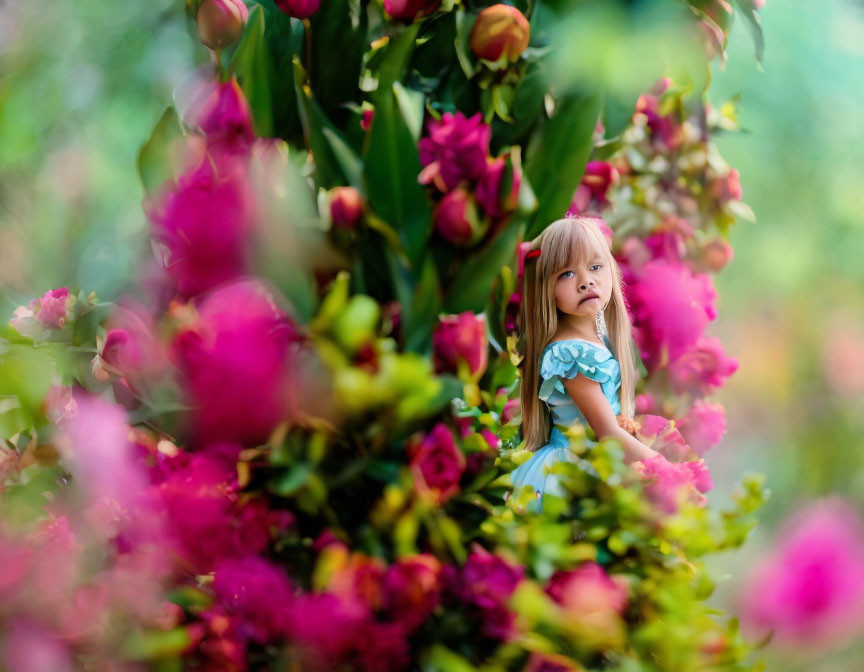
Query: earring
point(600, 323)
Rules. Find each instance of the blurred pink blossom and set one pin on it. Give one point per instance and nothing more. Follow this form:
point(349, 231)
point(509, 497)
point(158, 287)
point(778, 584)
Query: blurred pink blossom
point(670, 307)
point(704, 426)
point(668, 441)
point(599, 178)
point(410, 9)
point(456, 218)
point(703, 368)
point(412, 589)
point(809, 589)
point(487, 581)
point(299, 9)
point(669, 482)
point(235, 362)
point(48, 312)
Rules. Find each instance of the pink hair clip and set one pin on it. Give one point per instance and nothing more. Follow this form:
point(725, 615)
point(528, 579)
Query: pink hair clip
point(533, 253)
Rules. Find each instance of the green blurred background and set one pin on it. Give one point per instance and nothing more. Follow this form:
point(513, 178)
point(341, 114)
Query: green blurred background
point(82, 84)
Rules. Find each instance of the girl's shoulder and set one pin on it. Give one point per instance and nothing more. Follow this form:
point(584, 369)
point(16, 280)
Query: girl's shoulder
point(571, 356)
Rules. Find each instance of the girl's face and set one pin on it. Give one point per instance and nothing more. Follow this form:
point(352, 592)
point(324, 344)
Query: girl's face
point(585, 286)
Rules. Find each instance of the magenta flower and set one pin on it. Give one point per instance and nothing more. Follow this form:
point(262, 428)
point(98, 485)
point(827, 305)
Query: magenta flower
point(489, 195)
point(221, 22)
point(456, 218)
point(510, 410)
point(461, 337)
point(599, 177)
point(665, 130)
point(299, 9)
point(716, 254)
point(412, 589)
point(670, 307)
point(235, 365)
point(49, 312)
point(809, 590)
point(487, 581)
point(258, 593)
point(704, 426)
point(408, 10)
point(668, 441)
point(703, 368)
point(203, 225)
point(437, 464)
point(668, 241)
point(454, 151)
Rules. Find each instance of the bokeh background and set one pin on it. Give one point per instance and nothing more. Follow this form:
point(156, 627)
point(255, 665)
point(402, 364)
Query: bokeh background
point(83, 83)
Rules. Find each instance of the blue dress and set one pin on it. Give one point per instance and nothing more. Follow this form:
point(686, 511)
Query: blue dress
point(566, 359)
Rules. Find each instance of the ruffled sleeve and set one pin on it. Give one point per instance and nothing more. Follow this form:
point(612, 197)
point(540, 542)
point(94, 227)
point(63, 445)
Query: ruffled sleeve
point(567, 359)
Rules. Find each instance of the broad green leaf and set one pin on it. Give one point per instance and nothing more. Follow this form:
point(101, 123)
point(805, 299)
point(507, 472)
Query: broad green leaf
point(471, 287)
point(556, 161)
point(254, 69)
point(392, 165)
point(754, 23)
point(154, 157)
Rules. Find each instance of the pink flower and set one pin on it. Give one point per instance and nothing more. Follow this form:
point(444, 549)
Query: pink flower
point(50, 312)
point(704, 426)
point(670, 307)
point(645, 403)
point(412, 589)
point(487, 581)
point(460, 337)
point(34, 648)
point(594, 602)
point(235, 364)
point(668, 241)
point(299, 9)
point(716, 255)
point(668, 440)
point(437, 464)
point(455, 150)
point(202, 225)
point(95, 447)
point(496, 177)
point(810, 588)
point(408, 10)
point(669, 482)
point(726, 188)
point(703, 368)
point(346, 207)
point(326, 629)
point(221, 22)
point(122, 352)
point(599, 177)
point(456, 218)
point(258, 593)
point(552, 662)
point(665, 130)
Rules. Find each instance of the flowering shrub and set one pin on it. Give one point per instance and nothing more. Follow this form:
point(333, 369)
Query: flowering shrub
point(290, 448)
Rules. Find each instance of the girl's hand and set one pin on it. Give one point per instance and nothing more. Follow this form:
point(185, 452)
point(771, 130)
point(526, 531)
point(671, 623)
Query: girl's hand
point(629, 425)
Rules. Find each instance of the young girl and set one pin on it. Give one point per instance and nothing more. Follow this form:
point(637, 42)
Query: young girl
point(580, 368)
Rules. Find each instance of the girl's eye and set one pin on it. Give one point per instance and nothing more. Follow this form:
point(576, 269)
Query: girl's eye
point(595, 267)
point(564, 274)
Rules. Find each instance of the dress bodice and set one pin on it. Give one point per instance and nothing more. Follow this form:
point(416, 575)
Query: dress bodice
point(567, 359)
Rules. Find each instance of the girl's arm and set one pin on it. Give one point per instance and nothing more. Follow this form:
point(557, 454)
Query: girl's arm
point(595, 407)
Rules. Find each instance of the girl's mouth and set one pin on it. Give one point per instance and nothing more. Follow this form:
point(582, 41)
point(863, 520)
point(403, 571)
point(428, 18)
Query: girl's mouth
point(590, 296)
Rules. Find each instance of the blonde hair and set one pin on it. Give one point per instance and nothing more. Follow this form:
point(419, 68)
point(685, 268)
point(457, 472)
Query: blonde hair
point(539, 316)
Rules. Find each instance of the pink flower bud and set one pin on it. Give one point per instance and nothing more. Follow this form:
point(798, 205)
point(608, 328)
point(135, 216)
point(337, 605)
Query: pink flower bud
point(499, 174)
point(437, 464)
point(717, 254)
point(726, 188)
point(346, 207)
point(456, 218)
point(410, 9)
point(221, 22)
point(463, 337)
point(299, 9)
point(366, 120)
point(500, 30)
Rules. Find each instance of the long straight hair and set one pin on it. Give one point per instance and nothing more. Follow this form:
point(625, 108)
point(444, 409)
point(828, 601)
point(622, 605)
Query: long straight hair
point(559, 243)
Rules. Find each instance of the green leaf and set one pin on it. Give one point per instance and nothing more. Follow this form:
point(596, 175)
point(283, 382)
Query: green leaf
point(292, 480)
point(391, 167)
point(556, 160)
point(471, 287)
point(338, 39)
point(150, 644)
point(754, 23)
point(254, 69)
point(154, 157)
point(422, 311)
point(464, 25)
point(284, 39)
